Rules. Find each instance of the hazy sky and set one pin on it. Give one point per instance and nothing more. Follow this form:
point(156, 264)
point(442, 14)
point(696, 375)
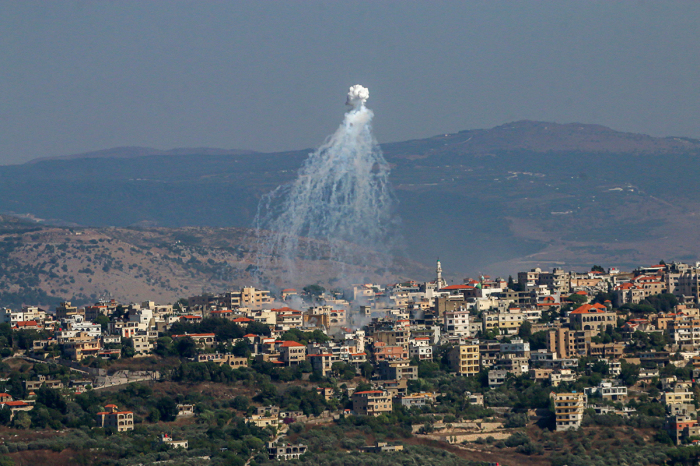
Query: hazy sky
point(82, 76)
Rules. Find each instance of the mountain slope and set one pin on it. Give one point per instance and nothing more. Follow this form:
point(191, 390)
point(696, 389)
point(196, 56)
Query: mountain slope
point(44, 265)
point(515, 196)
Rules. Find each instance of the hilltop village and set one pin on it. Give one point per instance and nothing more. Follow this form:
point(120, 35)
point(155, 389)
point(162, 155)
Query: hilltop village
point(545, 367)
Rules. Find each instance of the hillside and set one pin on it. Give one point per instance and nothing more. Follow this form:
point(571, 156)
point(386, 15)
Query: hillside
point(519, 195)
point(43, 265)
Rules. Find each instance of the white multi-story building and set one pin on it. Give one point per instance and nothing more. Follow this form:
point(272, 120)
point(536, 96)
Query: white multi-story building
point(457, 323)
point(28, 313)
point(568, 409)
point(420, 348)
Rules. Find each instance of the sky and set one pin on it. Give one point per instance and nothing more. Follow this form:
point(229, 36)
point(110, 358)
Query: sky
point(272, 76)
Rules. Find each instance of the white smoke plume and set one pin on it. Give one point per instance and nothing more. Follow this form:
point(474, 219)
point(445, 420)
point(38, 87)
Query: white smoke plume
point(357, 96)
point(341, 196)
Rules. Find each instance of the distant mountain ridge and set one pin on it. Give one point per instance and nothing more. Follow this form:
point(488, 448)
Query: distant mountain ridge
point(530, 135)
point(127, 152)
point(539, 136)
point(516, 196)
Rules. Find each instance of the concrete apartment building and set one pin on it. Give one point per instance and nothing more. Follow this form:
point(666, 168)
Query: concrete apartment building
point(397, 370)
point(568, 409)
point(121, 421)
point(683, 281)
point(569, 343)
point(285, 452)
point(681, 394)
point(371, 402)
point(396, 337)
point(465, 359)
point(291, 353)
point(457, 322)
point(557, 281)
point(508, 321)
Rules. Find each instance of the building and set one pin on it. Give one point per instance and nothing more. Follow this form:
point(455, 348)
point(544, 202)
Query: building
point(557, 281)
point(497, 377)
point(32, 385)
point(78, 350)
point(681, 394)
point(292, 353)
point(457, 323)
point(15, 406)
point(262, 420)
point(397, 370)
point(371, 402)
point(185, 410)
point(606, 350)
point(415, 399)
point(202, 339)
point(223, 359)
point(569, 343)
point(508, 321)
point(421, 349)
point(568, 409)
point(607, 391)
point(285, 452)
point(383, 352)
point(464, 359)
point(321, 362)
point(142, 345)
point(594, 317)
point(112, 418)
point(166, 439)
point(65, 310)
point(287, 318)
point(381, 447)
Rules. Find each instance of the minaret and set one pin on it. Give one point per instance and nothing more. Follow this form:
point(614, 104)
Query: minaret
point(439, 282)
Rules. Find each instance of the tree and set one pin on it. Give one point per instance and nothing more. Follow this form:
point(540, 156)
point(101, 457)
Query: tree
point(314, 290)
point(629, 373)
point(22, 420)
point(5, 416)
point(525, 331)
point(241, 349)
point(538, 340)
point(128, 350)
point(167, 408)
point(52, 399)
point(366, 368)
point(240, 403)
point(258, 328)
point(186, 347)
point(578, 299)
point(103, 320)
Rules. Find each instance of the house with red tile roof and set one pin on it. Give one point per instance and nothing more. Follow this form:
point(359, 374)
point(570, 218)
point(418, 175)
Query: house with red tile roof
point(595, 317)
point(292, 353)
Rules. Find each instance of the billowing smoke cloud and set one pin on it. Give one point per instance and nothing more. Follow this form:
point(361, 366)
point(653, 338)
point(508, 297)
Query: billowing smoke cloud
point(341, 196)
point(357, 96)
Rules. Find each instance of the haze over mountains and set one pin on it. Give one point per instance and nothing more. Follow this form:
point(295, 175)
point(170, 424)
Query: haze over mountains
point(516, 196)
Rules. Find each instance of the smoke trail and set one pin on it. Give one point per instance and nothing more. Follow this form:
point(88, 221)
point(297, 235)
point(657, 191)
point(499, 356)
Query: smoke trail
point(341, 195)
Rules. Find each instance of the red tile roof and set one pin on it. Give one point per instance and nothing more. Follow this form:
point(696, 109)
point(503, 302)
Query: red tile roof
point(27, 323)
point(589, 309)
point(457, 287)
point(15, 403)
point(289, 344)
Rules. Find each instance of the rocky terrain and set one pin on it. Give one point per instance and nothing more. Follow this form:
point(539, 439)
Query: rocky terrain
point(43, 265)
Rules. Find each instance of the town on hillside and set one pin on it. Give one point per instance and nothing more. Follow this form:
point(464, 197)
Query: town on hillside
point(543, 367)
